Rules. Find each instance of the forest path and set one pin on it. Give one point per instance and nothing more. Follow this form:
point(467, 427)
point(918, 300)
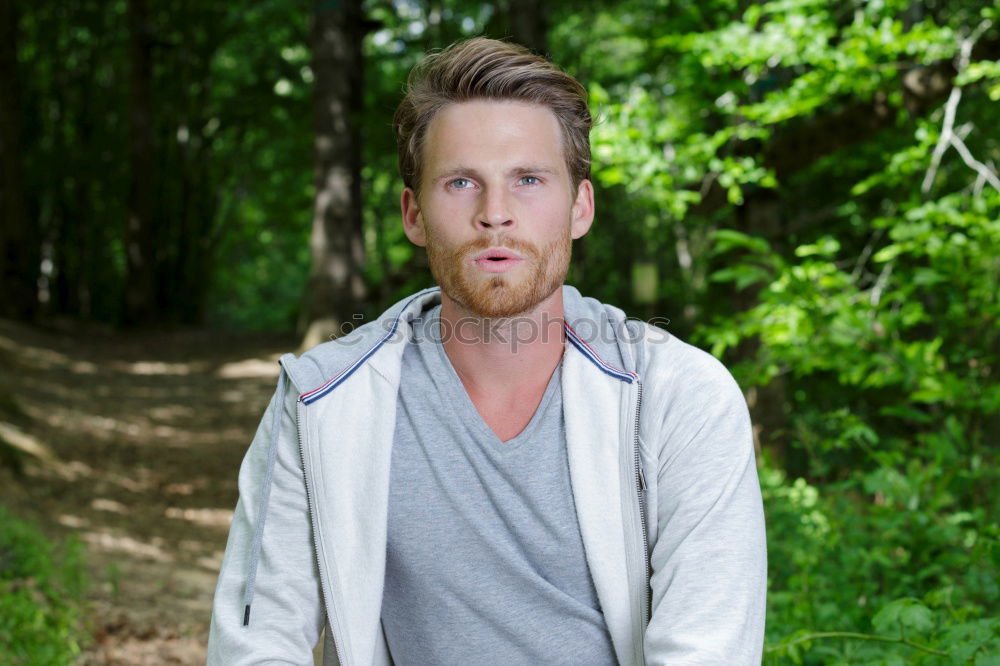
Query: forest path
point(146, 433)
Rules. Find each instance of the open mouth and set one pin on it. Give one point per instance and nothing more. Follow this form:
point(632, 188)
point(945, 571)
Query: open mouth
point(496, 260)
point(497, 254)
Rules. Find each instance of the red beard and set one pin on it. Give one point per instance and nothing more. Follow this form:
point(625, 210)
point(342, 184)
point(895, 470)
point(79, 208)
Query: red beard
point(499, 294)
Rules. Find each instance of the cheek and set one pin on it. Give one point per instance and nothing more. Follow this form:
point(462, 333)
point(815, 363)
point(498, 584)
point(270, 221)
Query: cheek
point(448, 210)
point(439, 227)
point(550, 213)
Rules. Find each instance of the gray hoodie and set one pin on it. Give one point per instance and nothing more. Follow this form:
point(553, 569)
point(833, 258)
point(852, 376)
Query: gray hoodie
point(664, 484)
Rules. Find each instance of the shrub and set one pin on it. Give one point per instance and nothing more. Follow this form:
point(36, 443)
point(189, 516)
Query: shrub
point(41, 595)
point(856, 577)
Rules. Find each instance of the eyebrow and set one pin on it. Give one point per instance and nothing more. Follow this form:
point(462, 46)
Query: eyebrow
point(516, 171)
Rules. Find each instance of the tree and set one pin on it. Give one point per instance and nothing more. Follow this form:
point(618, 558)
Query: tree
point(336, 287)
point(19, 248)
point(140, 280)
point(529, 24)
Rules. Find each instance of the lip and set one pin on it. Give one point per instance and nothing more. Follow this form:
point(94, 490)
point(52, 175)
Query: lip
point(497, 260)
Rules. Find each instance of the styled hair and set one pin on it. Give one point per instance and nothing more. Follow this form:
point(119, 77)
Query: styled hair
point(487, 69)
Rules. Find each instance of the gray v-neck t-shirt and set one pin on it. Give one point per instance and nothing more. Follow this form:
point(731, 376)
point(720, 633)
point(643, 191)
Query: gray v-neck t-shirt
point(485, 564)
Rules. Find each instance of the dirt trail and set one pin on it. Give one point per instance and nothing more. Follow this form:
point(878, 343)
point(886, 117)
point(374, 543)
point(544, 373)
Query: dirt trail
point(146, 433)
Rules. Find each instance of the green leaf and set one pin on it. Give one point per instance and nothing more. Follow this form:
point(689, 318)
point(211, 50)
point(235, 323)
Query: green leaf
point(825, 247)
point(742, 275)
point(724, 240)
point(888, 253)
point(903, 616)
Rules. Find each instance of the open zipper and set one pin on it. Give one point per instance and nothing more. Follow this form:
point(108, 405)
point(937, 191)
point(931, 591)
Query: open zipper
point(639, 478)
point(334, 620)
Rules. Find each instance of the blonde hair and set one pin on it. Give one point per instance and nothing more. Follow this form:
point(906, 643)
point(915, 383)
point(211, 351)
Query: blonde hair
point(481, 68)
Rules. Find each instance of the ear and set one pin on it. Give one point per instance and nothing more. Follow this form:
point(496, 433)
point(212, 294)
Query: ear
point(582, 214)
point(413, 221)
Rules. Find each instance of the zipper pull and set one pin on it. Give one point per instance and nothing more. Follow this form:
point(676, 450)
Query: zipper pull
point(642, 480)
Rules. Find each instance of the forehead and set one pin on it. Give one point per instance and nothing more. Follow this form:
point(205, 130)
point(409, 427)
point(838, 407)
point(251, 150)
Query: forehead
point(492, 132)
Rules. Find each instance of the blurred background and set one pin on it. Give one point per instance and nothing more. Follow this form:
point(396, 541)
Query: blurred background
point(806, 188)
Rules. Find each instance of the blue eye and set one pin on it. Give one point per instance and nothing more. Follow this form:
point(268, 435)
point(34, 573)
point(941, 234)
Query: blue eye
point(460, 184)
point(529, 180)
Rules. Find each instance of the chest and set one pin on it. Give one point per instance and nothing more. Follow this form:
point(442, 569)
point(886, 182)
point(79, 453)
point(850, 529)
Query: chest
point(509, 416)
point(458, 496)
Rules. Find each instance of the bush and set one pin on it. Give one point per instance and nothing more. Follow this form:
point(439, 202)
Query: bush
point(881, 477)
point(41, 595)
point(857, 577)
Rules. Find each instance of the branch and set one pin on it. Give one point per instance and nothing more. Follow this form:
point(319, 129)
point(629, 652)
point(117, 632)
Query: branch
point(883, 279)
point(984, 171)
point(805, 140)
point(866, 252)
point(862, 637)
point(977, 187)
point(944, 140)
point(948, 136)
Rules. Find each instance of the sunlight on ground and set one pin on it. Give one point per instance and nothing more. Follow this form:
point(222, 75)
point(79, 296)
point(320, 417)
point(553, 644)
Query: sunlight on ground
point(205, 517)
point(24, 442)
point(212, 562)
point(75, 522)
point(84, 367)
point(134, 444)
point(72, 470)
point(153, 368)
point(40, 356)
point(105, 540)
point(251, 367)
point(102, 504)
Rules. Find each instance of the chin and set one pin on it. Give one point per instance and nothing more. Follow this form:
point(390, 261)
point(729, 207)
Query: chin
point(498, 299)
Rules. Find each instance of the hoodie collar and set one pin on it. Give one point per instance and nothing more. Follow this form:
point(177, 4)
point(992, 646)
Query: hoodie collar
point(592, 328)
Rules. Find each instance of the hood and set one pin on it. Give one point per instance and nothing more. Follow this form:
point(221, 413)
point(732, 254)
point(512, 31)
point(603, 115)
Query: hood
point(599, 331)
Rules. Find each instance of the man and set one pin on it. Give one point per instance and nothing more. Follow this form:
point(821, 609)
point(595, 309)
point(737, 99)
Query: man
point(499, 470)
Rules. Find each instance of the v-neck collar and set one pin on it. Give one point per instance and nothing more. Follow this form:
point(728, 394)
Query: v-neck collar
point(460, 396)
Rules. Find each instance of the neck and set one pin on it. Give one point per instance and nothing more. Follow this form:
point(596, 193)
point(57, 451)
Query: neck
point(504, 356)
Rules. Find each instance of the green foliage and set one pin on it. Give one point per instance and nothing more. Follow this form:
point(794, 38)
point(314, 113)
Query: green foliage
point(782, 179)
point(908, 348)
point(846, 562)
point(232, 152)
point(41, 596)
point(889, 358)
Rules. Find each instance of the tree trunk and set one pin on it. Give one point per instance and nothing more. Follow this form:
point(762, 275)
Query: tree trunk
point(194, 240)
point(19, 242)
point(336, 288)
point(140, 269)
point(761, 215)
point(529, 24)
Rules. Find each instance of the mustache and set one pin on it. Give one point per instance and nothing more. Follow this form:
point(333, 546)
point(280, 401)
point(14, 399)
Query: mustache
point(481, 244)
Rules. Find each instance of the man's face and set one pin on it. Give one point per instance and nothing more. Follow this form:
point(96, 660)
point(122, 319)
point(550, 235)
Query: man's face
point(497, 211)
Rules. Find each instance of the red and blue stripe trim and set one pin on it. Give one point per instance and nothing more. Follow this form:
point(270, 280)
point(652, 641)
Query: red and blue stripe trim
point(604, 366)
point(338, 379)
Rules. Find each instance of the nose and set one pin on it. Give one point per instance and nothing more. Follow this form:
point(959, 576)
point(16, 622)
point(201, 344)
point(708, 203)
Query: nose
point(495, 210)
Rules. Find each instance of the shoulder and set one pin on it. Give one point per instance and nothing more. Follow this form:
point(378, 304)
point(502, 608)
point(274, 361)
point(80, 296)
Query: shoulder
point(670, 363)
point(689, 396)
point(328, 360)
point(332, 359)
